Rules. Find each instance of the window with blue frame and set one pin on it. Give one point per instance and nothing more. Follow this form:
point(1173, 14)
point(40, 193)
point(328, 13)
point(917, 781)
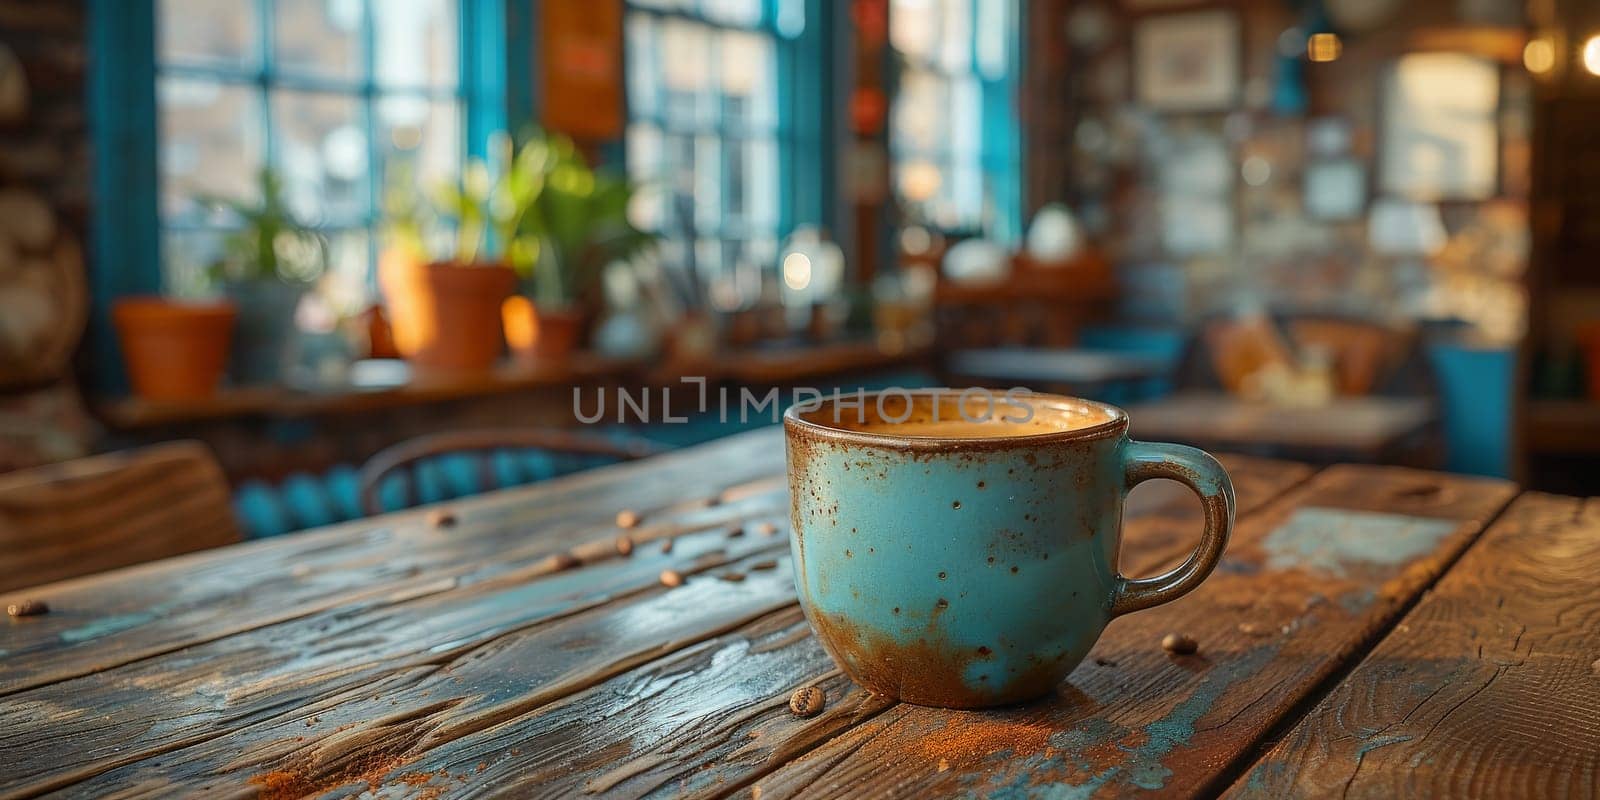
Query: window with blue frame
point(327, 93)
point(712, 133)
point(954, 139)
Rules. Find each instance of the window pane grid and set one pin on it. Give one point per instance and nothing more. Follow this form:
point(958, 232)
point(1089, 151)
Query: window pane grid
point(705, 136)
point(953, 52)
point(327, 127)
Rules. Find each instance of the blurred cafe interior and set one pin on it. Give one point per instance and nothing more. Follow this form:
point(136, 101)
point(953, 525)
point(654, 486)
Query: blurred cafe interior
point(273, 248)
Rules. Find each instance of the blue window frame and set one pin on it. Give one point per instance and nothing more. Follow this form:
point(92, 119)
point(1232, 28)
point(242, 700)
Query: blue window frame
point(954, 139)
point(192, 97)
point(727, 130)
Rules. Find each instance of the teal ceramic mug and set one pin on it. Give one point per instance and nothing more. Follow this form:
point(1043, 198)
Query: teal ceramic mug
point(960, 549)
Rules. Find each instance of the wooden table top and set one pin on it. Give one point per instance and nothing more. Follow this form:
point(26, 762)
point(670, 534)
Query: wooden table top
point(1359, 425)
point(510, 648)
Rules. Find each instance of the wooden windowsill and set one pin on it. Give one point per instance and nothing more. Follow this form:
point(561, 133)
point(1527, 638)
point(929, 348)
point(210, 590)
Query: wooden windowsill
point(755, 366)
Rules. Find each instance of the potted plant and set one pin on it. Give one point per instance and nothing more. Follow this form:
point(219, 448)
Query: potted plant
point(573, 222)
point(268, 264)
point(407, 307)
point(174, 350)
point(447, 314)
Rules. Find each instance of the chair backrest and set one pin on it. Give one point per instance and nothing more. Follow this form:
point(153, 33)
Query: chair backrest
point(93, 514)
point(1365, 353)
point(405, 458)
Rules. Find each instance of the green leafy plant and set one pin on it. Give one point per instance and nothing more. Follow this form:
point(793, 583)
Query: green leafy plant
point(544, 211)
point(406, 217)
point(489, 202)
point(580, 223)
point(272, 243)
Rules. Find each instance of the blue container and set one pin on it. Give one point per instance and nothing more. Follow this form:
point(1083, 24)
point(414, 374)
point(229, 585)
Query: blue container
point(1475, 389)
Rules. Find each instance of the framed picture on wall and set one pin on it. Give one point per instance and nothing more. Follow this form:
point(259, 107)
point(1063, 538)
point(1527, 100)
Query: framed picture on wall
point(1440, 135)
point(1188, 61)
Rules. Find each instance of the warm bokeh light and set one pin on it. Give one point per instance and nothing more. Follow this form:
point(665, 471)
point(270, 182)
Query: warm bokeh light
point(1539, 56)
point(1591, 55)
point(1323, 47)
point(797, 271)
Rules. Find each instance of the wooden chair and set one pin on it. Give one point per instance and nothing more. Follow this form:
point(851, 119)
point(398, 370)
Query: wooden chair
point(1366, 354)
point(99, 513)
point(405, 458)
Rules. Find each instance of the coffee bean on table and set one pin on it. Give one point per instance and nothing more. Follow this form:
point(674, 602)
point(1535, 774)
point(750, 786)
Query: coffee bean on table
point(735, 531)
point(767, 528)
point(1179, 644)
point(564, 561)
point(732, 577)
point(763, 565)
point(671, 577)
point(28, 608)
point(442, 518)
point(666, 545)
point(807, 702)
point(627, 519)
point(624, 545)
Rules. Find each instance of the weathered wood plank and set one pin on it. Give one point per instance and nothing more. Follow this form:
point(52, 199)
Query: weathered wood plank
point(182, 718)
point(1306, 582)
point(155, 705)
point(101, 622)
point(1490, 687)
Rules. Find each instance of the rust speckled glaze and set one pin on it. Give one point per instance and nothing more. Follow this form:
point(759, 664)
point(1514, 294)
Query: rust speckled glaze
point(976, 569)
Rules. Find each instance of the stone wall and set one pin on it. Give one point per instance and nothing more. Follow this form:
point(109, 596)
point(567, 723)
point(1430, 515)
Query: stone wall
point(44, 206)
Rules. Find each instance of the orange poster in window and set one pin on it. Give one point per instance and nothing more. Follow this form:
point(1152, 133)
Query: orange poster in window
point(581, 58)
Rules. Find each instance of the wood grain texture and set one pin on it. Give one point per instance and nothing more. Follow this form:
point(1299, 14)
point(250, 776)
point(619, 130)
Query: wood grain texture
point(712, 721)
point(354, 685)
point(1490, 687)
point(1306, 582)
point(99, 513)
point(102, 622)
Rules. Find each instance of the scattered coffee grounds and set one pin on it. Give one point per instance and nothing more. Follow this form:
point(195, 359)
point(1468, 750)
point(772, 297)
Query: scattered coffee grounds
point(666, 546)
point(807, 702)
point(1179, 644)
point(735, 531)
point(671, 577)
point(763, 565)
point(442, 518)
point(627, 519)
point(624, 545)
point(732, 577)
point(28, 608)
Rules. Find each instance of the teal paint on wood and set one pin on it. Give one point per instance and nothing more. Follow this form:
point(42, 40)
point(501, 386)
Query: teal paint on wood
point(124, 256)
point(1332, 540)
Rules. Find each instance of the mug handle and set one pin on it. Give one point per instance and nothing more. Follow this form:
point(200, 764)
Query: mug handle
point(1198, 470)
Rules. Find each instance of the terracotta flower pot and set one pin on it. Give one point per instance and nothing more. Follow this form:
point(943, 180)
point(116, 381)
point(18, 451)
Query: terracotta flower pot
point(174, 351)
point(541, 334)
point(406, 302)
point(456, 317)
